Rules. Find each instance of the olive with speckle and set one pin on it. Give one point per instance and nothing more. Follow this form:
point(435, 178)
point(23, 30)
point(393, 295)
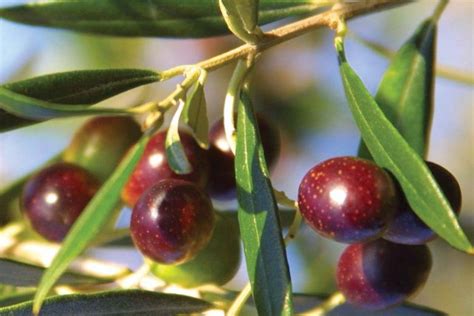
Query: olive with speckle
point(406, 227)
point(172, 221)
point(347, 199)
point(380, 274)
point(55, 197)
point(222, 174)
point(153, 166)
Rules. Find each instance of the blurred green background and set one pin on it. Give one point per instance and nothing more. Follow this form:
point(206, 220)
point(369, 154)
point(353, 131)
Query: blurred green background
point(297, 84)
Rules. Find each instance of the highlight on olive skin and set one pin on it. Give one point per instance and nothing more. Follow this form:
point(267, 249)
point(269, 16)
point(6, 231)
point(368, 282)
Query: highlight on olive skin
point(153, 166)
point(406, 227)
point(172, 221)
point(347, 199)
point(381, 274)
point(55, 197)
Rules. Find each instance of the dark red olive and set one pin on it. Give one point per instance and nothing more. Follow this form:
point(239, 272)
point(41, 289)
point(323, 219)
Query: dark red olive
point(380, 274)
point(347, 199)
point(172, 221)
point(222, 173)
point(153, 167)
point(406, 227)
point(55, 197)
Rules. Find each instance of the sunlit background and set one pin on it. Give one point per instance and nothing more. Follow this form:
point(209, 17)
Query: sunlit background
point(298, 86)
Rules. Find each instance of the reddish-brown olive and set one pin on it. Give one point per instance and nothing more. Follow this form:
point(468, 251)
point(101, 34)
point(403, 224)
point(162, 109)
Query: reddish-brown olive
point(347, 199)
point(172, 221)
point(153, 167)
point(55, 197)
point(380, 274)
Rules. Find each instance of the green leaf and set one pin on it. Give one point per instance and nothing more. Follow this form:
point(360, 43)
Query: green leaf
point(162, 18)
point(391, 151)
point(84, 87)
point(119, 302)
point(94, 217)
point(405, 94)
point(34, 109)
point(14, 295)
point(10, 122)
point(22, 274)
point(242, 18)
point(175, 154)
point(195, 113)
point(260, 228)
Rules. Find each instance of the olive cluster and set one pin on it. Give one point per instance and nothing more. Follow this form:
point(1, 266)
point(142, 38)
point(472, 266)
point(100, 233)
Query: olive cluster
point(354, 201)
point(173, 222)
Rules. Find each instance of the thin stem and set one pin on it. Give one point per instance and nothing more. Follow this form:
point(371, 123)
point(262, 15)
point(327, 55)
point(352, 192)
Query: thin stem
point(332, 302)
point(231, 99)
point(326, 19)
point(441, 70)
point(294, 227)
point(191, 77)
point(439, 9)
point(239, 302)
point(173, 72)
point(283, 199)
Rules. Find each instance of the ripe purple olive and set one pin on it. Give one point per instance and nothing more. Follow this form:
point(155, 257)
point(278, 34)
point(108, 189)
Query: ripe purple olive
point(153, 167)
point(380, 274)
point(172, 221)
point(100, 144)
point(222, 174)
point(55, 197)
point(347, 199)
point(406, 227)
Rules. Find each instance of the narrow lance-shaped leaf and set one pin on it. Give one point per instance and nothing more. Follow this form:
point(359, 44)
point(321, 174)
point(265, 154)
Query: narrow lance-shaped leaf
point(405, 94)
point(10, 295)
point(195, 112)
point(391, 151)
point(162, 18)
point(118, 302)
point(22, 274)
point(260, 228)
point(242, 18)
point(91, 221)
point(84, 87)
point(175, 153)
point(10, 122)
point(34, 109)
